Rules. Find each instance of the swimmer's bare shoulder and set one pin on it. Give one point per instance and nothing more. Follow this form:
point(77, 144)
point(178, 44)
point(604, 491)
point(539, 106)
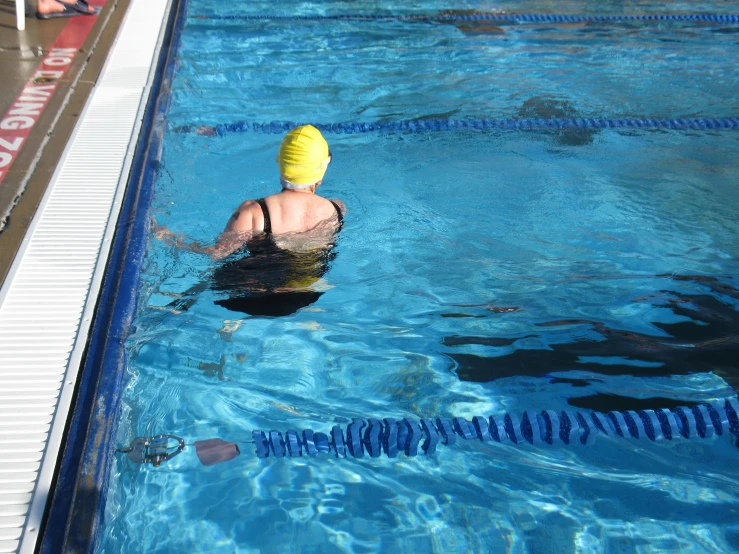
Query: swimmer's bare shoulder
point(244, 218)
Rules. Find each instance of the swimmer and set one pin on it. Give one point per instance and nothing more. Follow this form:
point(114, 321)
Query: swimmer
point(303, 159)
point(549, 107)
point(275, 250)
point(472, 27)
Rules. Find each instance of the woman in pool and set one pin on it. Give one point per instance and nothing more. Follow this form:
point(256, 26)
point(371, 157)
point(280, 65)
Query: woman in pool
point(275, 248)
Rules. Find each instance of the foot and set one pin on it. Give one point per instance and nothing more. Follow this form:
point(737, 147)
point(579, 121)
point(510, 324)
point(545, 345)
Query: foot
point(46, 7)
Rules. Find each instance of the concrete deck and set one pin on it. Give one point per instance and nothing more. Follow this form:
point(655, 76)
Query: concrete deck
point(20, 55)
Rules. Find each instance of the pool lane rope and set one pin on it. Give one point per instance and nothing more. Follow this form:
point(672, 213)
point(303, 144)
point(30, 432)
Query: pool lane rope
point(497, 17)
point(391, 437)
point(432, 125)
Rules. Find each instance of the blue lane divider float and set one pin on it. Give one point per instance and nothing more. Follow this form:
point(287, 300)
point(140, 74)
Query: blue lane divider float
point(408, 436)
point(432, 125)
point(499, 17)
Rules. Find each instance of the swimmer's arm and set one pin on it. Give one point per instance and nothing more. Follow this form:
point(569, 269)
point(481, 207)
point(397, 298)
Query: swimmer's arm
point(244, 219)
point(233, 237)
point(226, 244)
point(239, 229)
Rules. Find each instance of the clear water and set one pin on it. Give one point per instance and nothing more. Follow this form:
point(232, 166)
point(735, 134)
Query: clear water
point(477, 273)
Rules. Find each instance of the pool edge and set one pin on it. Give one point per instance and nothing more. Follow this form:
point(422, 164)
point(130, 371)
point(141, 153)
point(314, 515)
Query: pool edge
point(75, 512)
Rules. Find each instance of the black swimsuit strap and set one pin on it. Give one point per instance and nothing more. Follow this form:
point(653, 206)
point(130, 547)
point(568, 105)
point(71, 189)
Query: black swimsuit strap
point(265, 212)
point(338, 211)
point(268, 221)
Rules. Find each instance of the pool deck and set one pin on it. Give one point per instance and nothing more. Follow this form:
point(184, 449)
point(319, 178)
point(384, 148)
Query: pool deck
point(72, 102)
point(21, 52)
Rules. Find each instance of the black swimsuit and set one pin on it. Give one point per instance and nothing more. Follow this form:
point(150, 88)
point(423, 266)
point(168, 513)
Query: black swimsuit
point(252, 276)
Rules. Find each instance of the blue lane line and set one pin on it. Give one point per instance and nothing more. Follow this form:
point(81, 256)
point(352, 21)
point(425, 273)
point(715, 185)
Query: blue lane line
point(500, 17)
point(391, 436)
point(424, 125)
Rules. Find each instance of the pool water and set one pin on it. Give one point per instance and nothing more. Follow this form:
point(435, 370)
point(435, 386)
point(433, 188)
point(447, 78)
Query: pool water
point(477, 273)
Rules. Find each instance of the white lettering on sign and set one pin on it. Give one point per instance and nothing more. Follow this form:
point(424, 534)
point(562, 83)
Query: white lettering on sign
point(11, 146)
point(57, 61)
point(13, 123)
point(60, 56)
point(39, 90)
point(26, 108)
point(47, 74)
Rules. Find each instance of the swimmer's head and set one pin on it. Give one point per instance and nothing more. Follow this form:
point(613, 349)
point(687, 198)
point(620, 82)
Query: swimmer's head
point(303, 158)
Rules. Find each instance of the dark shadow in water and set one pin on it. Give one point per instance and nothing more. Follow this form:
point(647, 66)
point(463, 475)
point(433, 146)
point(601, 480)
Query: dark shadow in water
point(548, 107)
point(709, 342)
point(470, 28)
point(275, 304)
point(613, 402)
point(264, 280)
point(574, 382)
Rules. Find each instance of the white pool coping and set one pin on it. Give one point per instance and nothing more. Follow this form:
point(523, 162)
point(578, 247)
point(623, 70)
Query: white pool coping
point(49, 296)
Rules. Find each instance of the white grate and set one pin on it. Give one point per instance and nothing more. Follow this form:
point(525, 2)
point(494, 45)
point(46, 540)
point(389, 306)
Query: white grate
point(48, 298)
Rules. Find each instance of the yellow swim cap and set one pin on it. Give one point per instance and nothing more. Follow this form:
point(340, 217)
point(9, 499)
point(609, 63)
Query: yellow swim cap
point(303, 156)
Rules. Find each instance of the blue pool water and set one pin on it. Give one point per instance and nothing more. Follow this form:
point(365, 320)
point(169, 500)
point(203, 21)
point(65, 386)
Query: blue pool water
point(478, 272)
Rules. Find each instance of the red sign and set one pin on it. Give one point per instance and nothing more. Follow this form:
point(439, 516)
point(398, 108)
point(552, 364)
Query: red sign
point(16, 125)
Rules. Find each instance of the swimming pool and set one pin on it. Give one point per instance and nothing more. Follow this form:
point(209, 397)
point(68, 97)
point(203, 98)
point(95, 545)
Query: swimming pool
point(478, 272)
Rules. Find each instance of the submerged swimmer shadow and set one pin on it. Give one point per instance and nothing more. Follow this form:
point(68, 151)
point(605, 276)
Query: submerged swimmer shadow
point(264, 280)
point(472, 27)
point(547, 107)
point(707, 342)
point(277, 304)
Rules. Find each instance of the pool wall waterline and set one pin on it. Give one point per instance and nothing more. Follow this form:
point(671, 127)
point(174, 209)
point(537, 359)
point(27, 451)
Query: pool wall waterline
point(75, 513)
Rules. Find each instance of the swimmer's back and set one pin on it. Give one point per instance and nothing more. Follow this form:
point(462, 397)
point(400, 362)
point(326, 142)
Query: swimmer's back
point(289, 212)
point(295, 212)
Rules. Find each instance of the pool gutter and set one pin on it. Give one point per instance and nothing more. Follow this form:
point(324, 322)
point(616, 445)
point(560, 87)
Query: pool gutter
point(77, 512)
